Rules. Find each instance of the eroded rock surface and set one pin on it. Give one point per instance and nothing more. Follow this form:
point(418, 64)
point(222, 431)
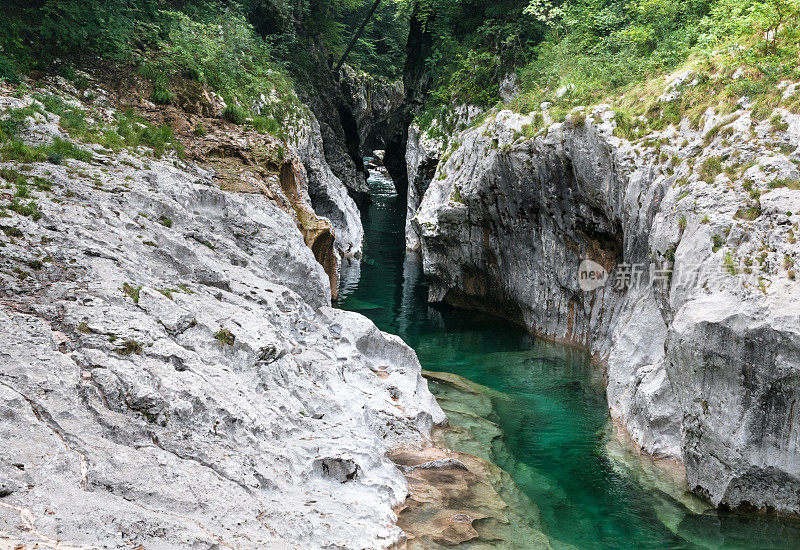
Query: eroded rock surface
point(327, 193)
point(373, 102)
point(172, 376)
point(698, 322)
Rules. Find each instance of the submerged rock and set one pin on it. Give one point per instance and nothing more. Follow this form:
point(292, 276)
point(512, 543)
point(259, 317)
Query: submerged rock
point(458, 496)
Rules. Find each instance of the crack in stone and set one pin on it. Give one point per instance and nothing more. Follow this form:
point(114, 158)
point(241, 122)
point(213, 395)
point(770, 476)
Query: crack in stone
point(43, 416)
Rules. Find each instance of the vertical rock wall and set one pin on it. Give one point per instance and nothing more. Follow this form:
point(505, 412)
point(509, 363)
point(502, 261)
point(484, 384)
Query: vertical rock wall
point(700, 342)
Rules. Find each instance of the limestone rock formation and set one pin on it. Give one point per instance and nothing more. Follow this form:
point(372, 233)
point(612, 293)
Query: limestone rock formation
point(695, 311)
point(422, 157)
point(319, 88)
point(327, 193)
point(171, 373)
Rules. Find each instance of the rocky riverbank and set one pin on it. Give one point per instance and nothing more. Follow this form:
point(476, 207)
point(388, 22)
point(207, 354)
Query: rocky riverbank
point(458, 496)
point(171, 372)
point(691, 234)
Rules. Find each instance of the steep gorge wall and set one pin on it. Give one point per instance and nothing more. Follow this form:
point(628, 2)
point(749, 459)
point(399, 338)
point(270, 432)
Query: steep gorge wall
point(319, 88)
point(416, 84)
point(373, 102)
point(703, 362)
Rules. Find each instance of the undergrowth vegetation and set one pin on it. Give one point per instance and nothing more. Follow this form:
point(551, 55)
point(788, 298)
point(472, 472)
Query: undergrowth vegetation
point(127, 131)
point(212, 42)
point(575, 52)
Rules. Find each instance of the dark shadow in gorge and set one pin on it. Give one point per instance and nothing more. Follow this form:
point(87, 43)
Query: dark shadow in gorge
point(416, 82)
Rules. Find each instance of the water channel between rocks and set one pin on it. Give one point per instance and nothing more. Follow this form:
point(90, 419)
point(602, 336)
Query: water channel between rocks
point(537, 410)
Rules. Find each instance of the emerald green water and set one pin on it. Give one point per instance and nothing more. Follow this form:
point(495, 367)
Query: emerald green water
point(556, 445)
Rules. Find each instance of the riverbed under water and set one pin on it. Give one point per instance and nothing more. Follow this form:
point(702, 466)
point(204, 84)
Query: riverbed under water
point(549, 401)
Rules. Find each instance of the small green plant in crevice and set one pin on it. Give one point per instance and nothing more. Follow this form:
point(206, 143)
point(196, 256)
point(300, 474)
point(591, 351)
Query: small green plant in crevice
point(682, 223)
point(165, 221)
point(730, 264)
point(235, 114)
point(457, 195)
point(784, 182)
point(31, 209)
point(207, 244)
point(200, 130)
point(129, 347)
point(11, 231)
point(711, 134)
point(167, 292)
point(132, 292)
point(705, 220)
point(22, 191)
point(627, 127)
point(778, 124)
point(578, 119)
point(225, 337)
point(42, 184)
point(527, 131)
point(670, 253)
point(717, 242)
point(84, 328)
point(710, 169)
point(748, 213)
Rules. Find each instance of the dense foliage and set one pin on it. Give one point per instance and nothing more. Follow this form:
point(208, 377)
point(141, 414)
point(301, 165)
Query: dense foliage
point(591, 48)
point(381, 48)
point(240, 48)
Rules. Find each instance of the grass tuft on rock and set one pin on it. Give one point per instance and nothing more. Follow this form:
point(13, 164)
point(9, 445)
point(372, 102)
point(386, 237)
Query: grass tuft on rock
point(225, 337)
point(235, 114)
point(129, 347)
point(132, 292)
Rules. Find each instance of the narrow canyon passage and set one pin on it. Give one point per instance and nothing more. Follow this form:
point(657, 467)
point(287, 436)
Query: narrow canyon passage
point(549, 403)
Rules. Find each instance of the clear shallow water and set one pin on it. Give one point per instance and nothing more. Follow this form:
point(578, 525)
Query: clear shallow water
point(550, 405)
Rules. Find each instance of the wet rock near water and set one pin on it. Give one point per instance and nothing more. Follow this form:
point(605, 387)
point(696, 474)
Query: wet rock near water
point(459, 498)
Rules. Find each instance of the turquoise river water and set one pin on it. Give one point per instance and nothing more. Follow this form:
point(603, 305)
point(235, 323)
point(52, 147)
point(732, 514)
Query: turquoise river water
point(591, 493)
